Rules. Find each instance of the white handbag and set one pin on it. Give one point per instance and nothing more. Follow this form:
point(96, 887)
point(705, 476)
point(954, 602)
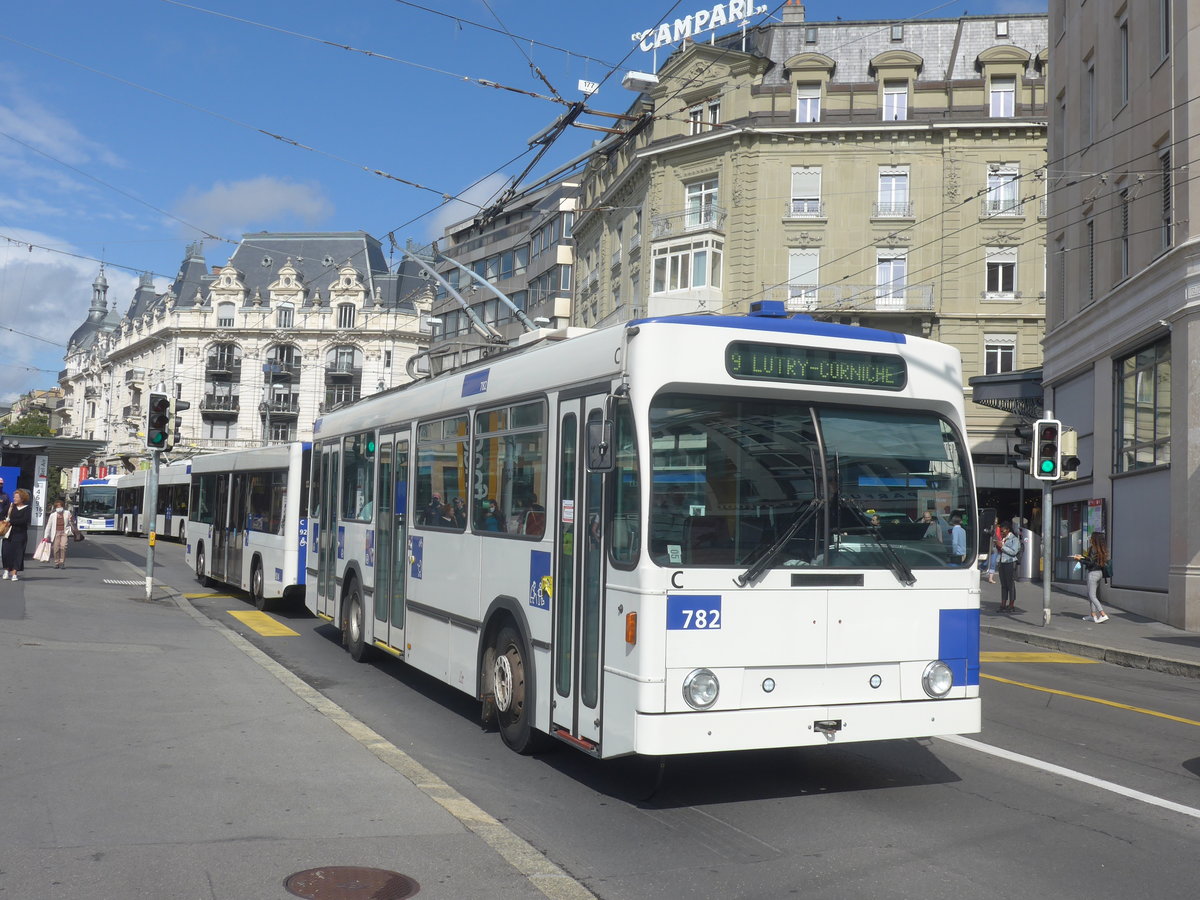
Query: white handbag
point(42, 553)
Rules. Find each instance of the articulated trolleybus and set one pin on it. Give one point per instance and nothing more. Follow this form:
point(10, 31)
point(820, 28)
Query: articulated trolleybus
point(248, 521)
point(96, 510)
point(683, 534)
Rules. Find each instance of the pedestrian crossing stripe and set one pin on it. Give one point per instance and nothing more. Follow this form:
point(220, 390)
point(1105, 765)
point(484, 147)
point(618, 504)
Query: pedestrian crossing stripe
point(1032, 657)
point(262, 623)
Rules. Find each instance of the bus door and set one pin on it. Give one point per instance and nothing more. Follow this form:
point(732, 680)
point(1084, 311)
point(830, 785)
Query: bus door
point(220, 528)
point(579, 575)
point(325, 514)
point(238, 511)
point(391, 539)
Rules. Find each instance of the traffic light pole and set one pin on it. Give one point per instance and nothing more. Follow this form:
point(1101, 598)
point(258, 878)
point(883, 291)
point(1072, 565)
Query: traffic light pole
point(150, 514)
point(1047, 539)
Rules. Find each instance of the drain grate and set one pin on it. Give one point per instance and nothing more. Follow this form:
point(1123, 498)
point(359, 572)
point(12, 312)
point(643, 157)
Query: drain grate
point(350, 883)
point(128, 581)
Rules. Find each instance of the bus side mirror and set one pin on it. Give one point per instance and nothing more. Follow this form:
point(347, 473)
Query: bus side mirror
point(600, 446)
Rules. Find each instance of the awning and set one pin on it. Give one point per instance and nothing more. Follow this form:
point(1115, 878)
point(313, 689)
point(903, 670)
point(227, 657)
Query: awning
point(63, 452)
point(1016, 393)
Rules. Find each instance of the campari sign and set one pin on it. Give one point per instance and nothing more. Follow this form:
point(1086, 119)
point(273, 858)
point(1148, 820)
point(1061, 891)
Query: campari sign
point(698, 22)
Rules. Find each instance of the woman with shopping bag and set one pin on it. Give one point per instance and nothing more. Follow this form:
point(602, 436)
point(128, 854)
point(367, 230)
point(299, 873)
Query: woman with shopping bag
point(13, 550)
point(60, 526)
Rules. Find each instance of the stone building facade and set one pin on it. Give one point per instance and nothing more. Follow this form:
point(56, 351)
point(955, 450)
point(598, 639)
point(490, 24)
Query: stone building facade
point(291, 326)
point(888, 174)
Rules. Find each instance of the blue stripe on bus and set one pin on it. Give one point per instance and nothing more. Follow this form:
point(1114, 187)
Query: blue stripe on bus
point(798, 324)
point(302, 556)
point(958, 643)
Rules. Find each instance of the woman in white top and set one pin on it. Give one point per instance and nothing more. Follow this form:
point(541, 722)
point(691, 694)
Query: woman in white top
point(60, 527)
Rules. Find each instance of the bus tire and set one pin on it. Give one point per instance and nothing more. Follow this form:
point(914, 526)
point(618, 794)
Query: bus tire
point(512, 682)
point(183, 532)
point(257, 586)
point(200, 576)
point(356, 625)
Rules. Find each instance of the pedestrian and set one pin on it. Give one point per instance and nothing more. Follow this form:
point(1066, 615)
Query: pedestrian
point(1008, 550)
point(958, 540)
point(1095, 561)
point(60, 528)
point(994, 540)
point(19, 515)
point(5, 501)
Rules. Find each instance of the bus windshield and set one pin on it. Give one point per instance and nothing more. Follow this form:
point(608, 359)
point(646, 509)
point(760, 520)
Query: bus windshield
point(732, 476)
point(97, 500)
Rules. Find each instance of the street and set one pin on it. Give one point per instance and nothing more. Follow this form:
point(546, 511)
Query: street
point(939, 818)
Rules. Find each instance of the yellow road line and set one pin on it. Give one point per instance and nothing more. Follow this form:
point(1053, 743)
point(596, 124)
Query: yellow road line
point(1113, 704)
point(1033, 657)
point(262, 623)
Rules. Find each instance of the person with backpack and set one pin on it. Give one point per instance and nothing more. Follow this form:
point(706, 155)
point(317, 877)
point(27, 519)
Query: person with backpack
point(1010, 549)
point(1098, 564)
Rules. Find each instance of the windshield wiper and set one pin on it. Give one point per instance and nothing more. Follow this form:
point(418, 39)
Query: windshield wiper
point(767, 556)
point(898, 566)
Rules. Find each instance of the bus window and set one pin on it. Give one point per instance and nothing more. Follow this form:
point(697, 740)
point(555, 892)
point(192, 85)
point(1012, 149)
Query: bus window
point(358, 476)
point(442, 498)
point(203, 492)
point(626, 504)
point(510, 470)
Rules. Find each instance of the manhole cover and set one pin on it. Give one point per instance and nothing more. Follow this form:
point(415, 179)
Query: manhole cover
point(350, 883)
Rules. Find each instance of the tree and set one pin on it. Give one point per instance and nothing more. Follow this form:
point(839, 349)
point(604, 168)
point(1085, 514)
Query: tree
point(32, 424)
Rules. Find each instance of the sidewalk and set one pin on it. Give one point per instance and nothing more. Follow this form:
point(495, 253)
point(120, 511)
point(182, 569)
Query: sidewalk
point(148, 751)
point(1125, 639)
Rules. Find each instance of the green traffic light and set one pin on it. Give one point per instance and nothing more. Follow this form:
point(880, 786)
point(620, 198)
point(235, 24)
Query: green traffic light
point(1047, 466)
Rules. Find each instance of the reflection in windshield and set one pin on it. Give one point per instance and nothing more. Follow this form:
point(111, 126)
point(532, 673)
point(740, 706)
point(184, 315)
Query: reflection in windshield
point(730, 476)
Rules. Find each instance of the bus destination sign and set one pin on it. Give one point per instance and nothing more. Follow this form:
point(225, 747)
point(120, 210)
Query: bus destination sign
point(813, 365)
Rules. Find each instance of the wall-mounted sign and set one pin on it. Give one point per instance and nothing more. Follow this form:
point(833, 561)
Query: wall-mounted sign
point(698, 22)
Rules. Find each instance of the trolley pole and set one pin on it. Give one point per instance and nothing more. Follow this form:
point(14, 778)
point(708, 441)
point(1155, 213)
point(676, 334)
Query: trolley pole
point(150, 514)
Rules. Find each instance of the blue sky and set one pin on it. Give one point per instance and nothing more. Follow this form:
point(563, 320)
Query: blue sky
point(130, 128)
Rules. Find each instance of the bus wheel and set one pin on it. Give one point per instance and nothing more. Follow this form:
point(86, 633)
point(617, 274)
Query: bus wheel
point(256, 586)
point(356, 626)
point(509, 689)
point(200, 576)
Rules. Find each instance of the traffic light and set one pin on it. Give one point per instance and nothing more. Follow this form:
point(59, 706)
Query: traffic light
point(1023, 452)
point(177, 406)
point(1047, 460)
point(158, 422)
point(1070, 449)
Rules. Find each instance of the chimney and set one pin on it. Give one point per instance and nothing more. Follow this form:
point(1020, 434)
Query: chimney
point(793, 12)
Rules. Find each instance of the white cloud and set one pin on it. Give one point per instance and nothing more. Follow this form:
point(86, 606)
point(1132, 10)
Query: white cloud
point(480, 194)
point(44, 297)
point(31, 123)
point(232, 208)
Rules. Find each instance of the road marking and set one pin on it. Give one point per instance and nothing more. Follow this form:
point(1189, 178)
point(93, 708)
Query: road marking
point(1112, 703)
point(262, 623)
point(209, 596)
point(1071, 773)
point(1033, 657)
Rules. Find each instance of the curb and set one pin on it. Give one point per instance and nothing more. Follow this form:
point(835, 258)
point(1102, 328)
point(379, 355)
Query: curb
point(1128, 658)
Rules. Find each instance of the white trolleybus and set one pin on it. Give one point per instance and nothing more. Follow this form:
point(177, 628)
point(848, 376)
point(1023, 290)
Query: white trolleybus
point(684, 534)
point(96, 509)
point(170, 520)
point(248, 521)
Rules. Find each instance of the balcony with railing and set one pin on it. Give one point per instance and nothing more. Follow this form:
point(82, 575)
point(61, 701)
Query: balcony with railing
point(851, 298)
point(890, 209)
point(281, 371)
point(342, 370)
point(1012, 207)
point(219, 405)
point(708, 217)
point(91, 392)
point(281, 407)
point(135, 376)
point(804, 209)
point(130, 412)
point(635, 243)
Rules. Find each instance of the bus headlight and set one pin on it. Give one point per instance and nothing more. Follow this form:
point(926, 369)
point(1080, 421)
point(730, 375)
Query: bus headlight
point(937, 679)
point(700, 689)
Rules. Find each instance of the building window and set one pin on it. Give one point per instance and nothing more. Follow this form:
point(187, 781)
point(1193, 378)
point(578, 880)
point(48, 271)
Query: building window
point(219, 429)
point(895, 101)
point(1164, 162)
point(893, 192)
point(1144, 408)
point(808, 103)
point(810, 34)
point(1123, 61)
point(1003, 191)
point(897, 32)
point(1123, 259)
point(181, 355)
point(1002, 28)
point(999, 353)
point(1089, 280)
point(696, 120)
point(1089, 104)
point(891, 275)
point(687, 265)
point(1164, 28)
point(1001, 263)
point(387, 359)
point(284, 315)
point(804, 265)
point(701, 202)
point(1003, 97)
point(345, 315)
point(225, 314)
point(806, 192)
